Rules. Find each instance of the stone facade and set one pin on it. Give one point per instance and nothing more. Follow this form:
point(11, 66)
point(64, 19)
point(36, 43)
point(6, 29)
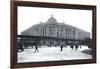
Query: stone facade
point(52, 28)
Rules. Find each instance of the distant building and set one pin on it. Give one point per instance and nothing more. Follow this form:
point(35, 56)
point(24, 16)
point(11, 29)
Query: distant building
point(52, 28)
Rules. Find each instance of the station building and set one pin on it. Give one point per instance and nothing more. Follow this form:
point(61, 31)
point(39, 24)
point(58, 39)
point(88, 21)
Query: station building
point(53, 28)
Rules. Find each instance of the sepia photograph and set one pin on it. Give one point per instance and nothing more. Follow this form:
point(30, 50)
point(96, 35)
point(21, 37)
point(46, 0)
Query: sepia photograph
point(62, 34)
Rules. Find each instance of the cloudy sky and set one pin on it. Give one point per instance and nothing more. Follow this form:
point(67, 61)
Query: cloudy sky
point(28, 16)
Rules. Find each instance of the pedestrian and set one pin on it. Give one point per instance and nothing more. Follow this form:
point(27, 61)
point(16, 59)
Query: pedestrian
point(20, 46)
point(61, 47)
point(72, 47)
point(76, 47)
point(36, 47)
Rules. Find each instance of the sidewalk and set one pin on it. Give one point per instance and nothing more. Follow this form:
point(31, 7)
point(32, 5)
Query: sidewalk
point(51, 54)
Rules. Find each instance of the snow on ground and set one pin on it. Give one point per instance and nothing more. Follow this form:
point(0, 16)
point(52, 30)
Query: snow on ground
point(52, 54)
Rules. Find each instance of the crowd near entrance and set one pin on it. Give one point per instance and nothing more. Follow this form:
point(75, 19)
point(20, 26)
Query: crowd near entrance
point(36, 42)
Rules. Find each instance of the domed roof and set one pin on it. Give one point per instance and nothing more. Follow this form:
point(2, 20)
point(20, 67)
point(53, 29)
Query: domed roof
point(52, 20)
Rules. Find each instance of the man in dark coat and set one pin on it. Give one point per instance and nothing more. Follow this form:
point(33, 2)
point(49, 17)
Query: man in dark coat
point(72, 47)
point(76, 47)
point(36, 47)
point(61, 47)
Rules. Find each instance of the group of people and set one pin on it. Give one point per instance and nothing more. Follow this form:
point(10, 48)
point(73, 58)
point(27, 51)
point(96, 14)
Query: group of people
point(61, 47)
point(36, 46)
point(74, 47)
point(71, 46)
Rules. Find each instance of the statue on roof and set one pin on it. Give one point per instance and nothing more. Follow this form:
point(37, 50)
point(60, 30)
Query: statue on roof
point(52, 19)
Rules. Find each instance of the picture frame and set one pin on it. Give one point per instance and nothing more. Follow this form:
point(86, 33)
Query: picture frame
point(15, 36)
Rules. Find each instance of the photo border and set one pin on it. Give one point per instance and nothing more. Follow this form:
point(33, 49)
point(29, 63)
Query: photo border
point(13, 32)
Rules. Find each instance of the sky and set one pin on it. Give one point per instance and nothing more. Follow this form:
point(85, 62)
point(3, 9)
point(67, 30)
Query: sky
point(28, 16)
